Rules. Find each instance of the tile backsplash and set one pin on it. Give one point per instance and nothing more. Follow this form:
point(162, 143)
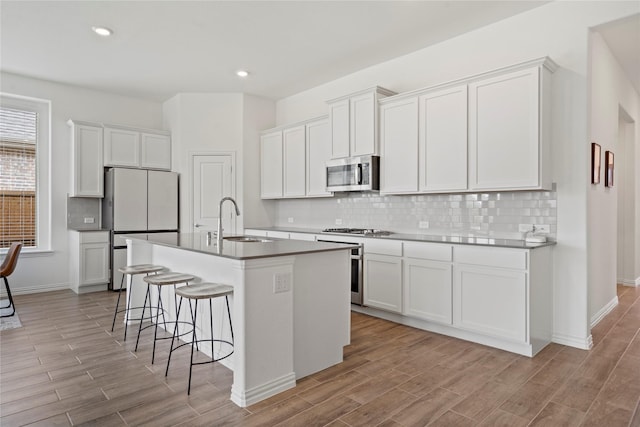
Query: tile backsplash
point(495, 215)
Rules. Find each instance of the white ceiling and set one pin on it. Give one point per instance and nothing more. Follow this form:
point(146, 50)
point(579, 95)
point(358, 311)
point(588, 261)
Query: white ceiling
point(161, 48)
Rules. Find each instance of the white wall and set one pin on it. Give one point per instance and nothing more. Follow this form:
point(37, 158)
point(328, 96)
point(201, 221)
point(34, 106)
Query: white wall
point(258, 114)
point(558, 30)
point(204, 123)
point(220, 123)
point(46, 271)
point(610, 91)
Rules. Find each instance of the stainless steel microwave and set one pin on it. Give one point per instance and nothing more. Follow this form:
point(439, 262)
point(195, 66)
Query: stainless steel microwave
point(354, 174)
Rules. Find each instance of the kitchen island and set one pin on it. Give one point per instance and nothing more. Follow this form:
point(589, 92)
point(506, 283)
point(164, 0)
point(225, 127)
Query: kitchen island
point(290, 306)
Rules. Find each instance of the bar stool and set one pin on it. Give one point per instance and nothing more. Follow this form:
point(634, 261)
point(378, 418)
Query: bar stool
point(132, 270)
point(197, 292)
point(160, 280)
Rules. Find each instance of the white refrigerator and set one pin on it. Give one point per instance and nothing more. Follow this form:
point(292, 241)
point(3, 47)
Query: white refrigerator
point(137, 201)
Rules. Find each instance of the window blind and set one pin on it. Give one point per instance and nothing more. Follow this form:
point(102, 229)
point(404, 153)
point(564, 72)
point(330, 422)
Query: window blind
point(18, 143)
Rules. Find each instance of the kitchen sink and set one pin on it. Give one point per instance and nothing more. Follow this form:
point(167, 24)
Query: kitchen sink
point(246, 239)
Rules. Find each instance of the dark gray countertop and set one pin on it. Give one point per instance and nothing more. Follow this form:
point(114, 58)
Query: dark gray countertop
point(480, 241)
point(238, 250)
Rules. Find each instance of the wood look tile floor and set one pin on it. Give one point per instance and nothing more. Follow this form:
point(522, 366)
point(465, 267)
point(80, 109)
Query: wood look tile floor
point(64, 367)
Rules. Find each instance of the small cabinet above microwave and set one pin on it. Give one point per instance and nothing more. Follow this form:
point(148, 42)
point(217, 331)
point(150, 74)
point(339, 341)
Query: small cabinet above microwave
point(353, 122)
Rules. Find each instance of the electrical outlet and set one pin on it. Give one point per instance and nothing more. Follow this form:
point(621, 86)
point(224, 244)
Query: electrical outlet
point(543, 228)
point(338, 221)
point(290, 220)
point(423, 224)
point(89, 220)
point(281, 282)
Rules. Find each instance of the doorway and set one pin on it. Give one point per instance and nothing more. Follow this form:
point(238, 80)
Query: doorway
point(625, 172)
point(212, 179)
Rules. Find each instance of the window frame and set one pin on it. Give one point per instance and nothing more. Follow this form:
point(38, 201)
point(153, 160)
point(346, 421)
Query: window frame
point(43, 166)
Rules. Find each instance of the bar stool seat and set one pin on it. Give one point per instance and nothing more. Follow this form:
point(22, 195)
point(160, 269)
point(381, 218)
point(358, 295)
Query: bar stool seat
point(204, 291)
point(132, 270)
point(160, 280)
point(195, 293)
point(168, 279)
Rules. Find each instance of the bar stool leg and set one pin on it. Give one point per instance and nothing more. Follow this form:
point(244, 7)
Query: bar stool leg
point(147, 295)
point(113, 325)
point(155, 330)
point(193, 342)
point(226, 297)
point(173, 337)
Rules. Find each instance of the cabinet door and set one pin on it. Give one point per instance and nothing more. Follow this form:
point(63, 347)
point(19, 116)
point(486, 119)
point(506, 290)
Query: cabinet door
point(318, 152)
point(399, 146)
point(156, 151)
point(94, 263)
point(339, 119)
point(443, 140)
point(504, 132)
point(88, 169)
point(121, 147)
point(294, 162)
point(427, 290)
point(491, 301)
point(362, 124)
point(271, 165)
point(130, 199)
point(383, 282)
point(162, 200)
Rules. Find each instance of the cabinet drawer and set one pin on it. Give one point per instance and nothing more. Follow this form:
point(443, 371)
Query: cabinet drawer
point(491, 257)
point(302, 236)
point(94, 237)
point(431, 251)
point(278, 234)
point(383, 247)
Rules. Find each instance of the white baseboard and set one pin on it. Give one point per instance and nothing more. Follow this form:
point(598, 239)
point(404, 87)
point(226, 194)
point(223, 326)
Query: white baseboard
point(596, 318)
point(630, 282)
point(35, 289)
point(571, 341)
point(244, 398)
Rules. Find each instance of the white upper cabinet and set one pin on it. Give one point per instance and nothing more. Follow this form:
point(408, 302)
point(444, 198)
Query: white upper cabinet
point(121, 147)
point(129, 147)
point(508, 141)
point(271, 165)
point(155, 151)
point(354, 123)
point(294, 161)
point(339, 119)
point(443, 140)
point(87, 174)
point(318, 152)
point(399, 146)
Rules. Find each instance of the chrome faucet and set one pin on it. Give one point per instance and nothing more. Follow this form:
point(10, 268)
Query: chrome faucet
point(219, 232)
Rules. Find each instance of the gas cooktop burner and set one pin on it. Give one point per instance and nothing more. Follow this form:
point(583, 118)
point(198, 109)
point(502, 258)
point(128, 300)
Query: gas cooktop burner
point(365, 231)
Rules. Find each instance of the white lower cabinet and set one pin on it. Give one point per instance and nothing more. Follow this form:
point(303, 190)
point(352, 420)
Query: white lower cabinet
point(427, 290)
point(491, 301)
point(383, 282)
point(89, 260)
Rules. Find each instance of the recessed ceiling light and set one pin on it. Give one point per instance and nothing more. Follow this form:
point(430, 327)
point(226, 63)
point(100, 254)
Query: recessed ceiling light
point(102, 31)
point(242, 73)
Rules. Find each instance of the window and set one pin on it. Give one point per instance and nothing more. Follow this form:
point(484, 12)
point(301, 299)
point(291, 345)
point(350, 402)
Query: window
point(24, 172)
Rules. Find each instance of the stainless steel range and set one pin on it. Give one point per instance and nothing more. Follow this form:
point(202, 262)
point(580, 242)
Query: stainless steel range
point(362, 231)
point(356, 255)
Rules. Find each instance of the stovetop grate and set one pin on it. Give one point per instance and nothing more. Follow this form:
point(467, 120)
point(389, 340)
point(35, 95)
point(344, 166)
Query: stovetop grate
point(365, 231)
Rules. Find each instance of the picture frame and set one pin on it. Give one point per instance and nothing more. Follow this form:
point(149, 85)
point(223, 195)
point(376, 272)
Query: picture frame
point(608, 162)
point(595, 163)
